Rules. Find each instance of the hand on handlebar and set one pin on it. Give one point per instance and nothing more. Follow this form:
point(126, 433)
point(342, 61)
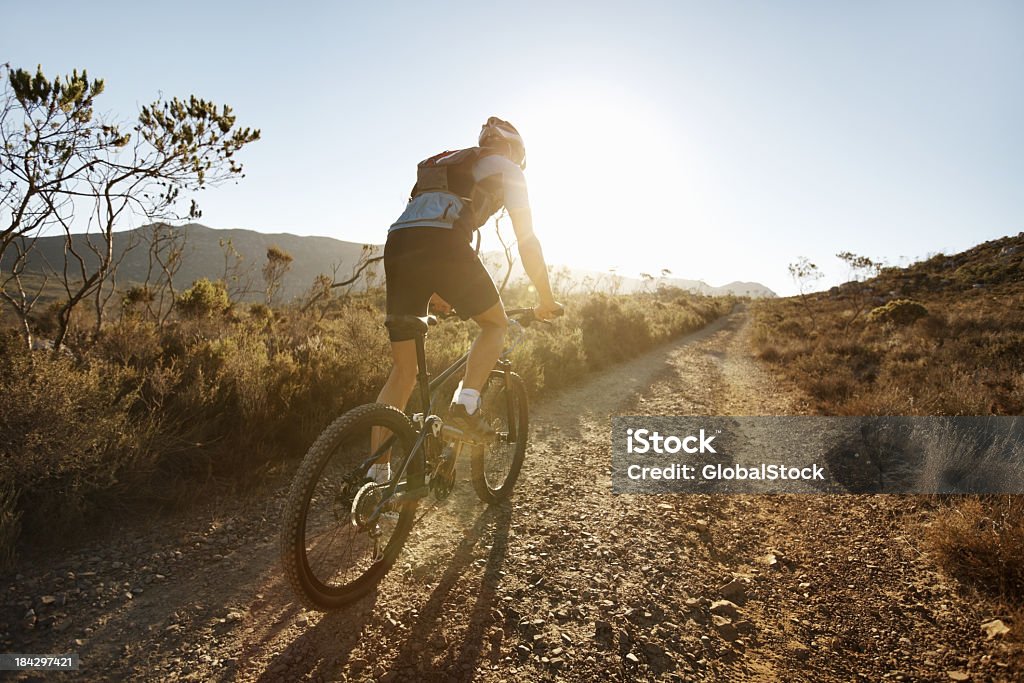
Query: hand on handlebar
point(549, 310)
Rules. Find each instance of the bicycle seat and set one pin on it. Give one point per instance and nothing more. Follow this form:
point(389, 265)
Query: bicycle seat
point(410, 324)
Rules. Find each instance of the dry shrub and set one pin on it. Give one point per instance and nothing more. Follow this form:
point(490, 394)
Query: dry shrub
point(68, 445)
point(147, 412)
point(980, 540)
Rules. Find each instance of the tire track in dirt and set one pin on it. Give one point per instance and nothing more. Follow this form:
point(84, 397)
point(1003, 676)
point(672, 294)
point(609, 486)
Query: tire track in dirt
point(565, 582)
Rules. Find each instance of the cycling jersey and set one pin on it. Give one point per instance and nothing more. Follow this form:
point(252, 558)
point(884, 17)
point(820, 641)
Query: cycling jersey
point(497, 182)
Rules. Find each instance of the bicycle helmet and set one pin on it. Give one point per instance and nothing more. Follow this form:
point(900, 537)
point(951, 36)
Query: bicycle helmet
point(499, 132)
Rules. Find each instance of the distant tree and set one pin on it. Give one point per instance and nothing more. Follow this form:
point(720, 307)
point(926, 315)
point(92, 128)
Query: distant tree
point(367, 260)
point(647, 281)
point(66, 168)
point(805, 274)
point(614, 282)
point(279, 262)
point(237, 275)
point(563, 282)
point(318, 296)
point(860, 268)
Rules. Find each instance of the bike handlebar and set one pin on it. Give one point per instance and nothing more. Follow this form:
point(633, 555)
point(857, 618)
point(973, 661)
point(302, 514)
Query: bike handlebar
point(523, 316)
point(527, 316)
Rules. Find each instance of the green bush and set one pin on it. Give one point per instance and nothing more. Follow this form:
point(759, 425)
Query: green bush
point(898, 312)
point(203, 299)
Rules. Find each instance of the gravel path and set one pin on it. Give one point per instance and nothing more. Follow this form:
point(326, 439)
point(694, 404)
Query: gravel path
point(565, 582)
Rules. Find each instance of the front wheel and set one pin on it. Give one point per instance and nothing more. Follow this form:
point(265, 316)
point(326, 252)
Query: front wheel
point(496, 466)
point(337, 538)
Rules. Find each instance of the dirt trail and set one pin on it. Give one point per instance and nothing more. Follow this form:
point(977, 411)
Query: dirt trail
point(566, 582)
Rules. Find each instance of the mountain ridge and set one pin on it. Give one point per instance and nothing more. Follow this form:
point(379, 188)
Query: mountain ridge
point(312, 255)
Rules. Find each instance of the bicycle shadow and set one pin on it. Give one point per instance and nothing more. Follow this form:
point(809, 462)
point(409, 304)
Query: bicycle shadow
point(336, 632)
point(461, 661)
point(326, 649)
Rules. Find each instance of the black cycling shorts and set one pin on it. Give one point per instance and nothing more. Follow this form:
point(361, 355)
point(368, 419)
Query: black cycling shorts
point(421, 261)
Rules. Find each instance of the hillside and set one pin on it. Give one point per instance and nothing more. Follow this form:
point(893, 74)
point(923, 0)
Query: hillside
point(996, 267)
point(204, 257)
point(944, 336)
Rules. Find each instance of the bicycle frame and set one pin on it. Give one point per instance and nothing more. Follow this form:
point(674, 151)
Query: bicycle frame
point(429, 424)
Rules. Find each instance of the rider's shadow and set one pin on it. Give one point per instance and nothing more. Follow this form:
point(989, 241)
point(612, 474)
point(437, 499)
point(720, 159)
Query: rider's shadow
point(338, 632)
point(416, 658)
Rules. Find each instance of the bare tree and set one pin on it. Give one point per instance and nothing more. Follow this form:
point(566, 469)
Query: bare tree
point(107, 287)
point(16, 290)
point(64, 168)
point(860, 268)
point(805, 274)
point(237, 275)
point(368, 259)
point(510, 259)
point(318, 295)
point(279, 262)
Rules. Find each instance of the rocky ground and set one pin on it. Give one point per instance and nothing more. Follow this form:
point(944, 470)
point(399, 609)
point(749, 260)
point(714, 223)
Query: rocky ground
point(566, 582)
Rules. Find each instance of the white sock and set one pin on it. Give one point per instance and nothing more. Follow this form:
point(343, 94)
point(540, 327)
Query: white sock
point(380, 472)
point(469, 398)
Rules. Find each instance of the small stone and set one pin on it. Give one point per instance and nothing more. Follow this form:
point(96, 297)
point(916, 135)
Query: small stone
point(994, 629)
point(725, 628)
point(48, 599)
point(958, 675)
point(302, 621)
point(735, 590)
point(632, 658)
point(725, 608)
point(744, 626)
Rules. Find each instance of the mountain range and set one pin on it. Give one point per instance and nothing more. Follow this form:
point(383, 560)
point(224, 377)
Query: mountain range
point(204, 256)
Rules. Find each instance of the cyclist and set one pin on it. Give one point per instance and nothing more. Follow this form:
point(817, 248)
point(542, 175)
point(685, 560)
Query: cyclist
point(428, 261)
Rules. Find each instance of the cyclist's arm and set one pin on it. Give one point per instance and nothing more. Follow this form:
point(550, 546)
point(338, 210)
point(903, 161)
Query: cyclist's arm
point(532, 255)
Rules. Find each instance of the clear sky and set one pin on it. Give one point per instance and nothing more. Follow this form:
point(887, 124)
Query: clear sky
point(720, 140)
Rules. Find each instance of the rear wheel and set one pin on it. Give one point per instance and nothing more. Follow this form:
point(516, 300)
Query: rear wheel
point(337, 541)
point(496, 466)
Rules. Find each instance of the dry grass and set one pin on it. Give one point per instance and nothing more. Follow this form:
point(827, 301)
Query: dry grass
point(980, 540)
point(942, 337)
point(145, 413)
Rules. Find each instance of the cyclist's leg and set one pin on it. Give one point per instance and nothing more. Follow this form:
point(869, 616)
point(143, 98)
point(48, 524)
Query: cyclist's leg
point(408, 291)
point(402, 380)
point(467, 286)
point(487, 346)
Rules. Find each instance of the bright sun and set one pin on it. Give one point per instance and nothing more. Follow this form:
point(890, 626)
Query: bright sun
point(599, 169)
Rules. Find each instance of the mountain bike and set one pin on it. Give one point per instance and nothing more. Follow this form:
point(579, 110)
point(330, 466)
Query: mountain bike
point(341, 531)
